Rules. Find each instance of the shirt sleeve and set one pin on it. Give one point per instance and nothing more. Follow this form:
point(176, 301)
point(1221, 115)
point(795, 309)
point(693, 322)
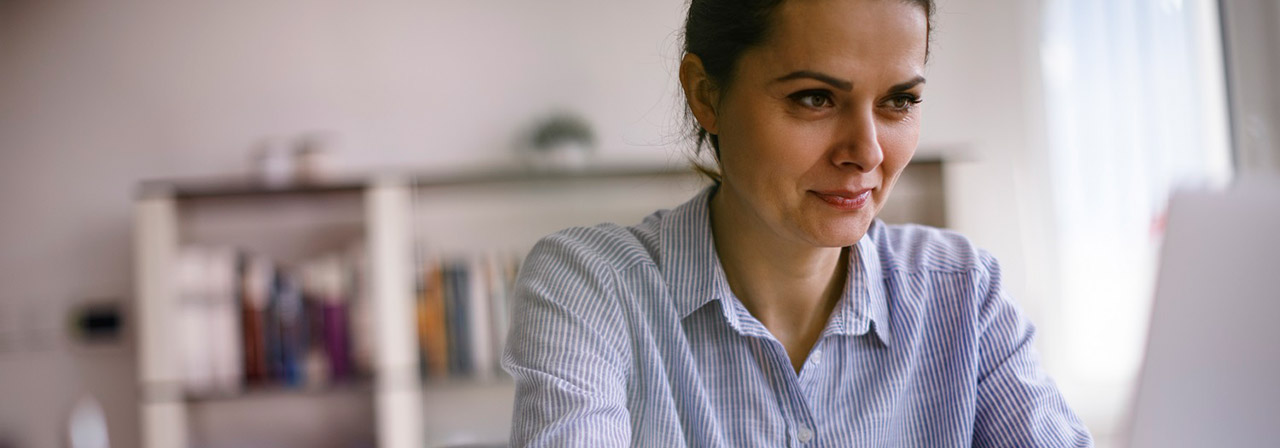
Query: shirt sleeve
point(1018, 404)
point(565, 350)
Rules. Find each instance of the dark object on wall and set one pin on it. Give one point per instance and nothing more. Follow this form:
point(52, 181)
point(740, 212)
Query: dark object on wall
point(100, 322)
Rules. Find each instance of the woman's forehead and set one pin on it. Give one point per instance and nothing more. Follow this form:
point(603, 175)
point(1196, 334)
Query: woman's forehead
point(854, 38)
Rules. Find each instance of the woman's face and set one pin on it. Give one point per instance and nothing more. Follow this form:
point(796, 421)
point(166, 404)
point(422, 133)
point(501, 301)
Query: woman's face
point(820, 120)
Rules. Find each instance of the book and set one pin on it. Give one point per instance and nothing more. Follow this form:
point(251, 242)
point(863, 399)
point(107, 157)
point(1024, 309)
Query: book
point(457, 290)
point(333, 294)
point(256, 284)
point(361, 329)
point(432, 331)
point(483, 358)
point(502, 267)
point(244, 320)
point(193, 323)
point(462, 313)
point(223, 320)
point(288, 336)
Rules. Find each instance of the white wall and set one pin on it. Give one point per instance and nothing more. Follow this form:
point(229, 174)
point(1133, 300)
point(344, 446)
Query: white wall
point(985, 101)
point(95, 96)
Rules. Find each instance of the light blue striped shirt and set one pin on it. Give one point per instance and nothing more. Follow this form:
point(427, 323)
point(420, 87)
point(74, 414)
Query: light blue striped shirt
point(630, 336)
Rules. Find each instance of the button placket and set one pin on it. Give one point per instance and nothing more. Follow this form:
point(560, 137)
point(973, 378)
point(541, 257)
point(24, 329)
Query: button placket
point(791, 392)
point(804, 434)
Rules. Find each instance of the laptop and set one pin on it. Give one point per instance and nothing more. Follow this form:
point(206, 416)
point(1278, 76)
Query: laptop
point(1211, 373)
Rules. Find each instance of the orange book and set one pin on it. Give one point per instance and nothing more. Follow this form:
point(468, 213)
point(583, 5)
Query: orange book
point(432, 334)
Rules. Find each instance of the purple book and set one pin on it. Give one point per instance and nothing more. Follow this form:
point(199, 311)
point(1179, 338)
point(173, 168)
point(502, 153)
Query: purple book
point(336, 342)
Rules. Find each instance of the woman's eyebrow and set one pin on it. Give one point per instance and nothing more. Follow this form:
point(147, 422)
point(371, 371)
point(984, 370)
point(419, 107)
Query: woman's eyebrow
point(844, 84)
point(907, 85)
point(833, 81)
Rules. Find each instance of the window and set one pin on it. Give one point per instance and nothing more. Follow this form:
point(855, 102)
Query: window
point(1136, 107)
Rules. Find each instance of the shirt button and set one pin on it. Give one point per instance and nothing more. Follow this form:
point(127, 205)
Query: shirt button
point(817, 356)
point(805, 435)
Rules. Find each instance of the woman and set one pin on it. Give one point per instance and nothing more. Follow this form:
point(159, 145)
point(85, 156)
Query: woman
point(772, 309)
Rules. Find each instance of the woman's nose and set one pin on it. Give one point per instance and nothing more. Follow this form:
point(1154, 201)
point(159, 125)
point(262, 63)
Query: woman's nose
point(857, 145)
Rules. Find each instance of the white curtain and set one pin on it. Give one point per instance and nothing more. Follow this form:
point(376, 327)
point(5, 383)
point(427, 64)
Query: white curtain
point(1136, 107)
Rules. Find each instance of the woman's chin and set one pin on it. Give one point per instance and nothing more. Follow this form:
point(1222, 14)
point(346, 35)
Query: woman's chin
point(839, 232)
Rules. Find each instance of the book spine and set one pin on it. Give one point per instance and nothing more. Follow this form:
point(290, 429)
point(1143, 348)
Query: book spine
point(459, 330)
point(360, 315)
point(451, 313)
point(257, 286)
point(194, 320)
point(335, 331)
point(224, 326)
point(433, 331)
point(293, 334)
point(500, 283)
point(462, 311)
point(334, 318)
point(481, 344)
point(244, 322)
point(438, 325)
point(314, 360)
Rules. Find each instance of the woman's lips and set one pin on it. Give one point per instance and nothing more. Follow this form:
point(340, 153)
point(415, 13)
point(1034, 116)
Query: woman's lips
point(845, 200)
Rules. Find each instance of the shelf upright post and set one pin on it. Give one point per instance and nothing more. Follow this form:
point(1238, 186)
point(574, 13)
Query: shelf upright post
point(163, 410)
point(397, 386)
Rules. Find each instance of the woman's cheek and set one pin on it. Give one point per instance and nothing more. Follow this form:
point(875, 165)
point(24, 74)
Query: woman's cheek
point(804, 141)
point(899, 141)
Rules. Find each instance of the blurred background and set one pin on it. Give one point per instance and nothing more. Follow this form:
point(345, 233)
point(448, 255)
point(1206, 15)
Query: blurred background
point(291, 223)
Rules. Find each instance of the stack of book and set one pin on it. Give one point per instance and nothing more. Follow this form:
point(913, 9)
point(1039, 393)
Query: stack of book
point(462, 314)
point(247, 321)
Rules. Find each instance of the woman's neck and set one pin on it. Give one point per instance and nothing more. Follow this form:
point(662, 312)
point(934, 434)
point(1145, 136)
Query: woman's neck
point(790, 286)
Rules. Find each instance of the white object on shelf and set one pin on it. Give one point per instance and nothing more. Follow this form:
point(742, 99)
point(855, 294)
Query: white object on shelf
point(313, 158)
point(272, 163)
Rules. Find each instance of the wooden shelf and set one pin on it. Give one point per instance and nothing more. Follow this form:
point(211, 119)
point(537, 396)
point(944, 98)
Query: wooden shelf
point(360, 386)
point(232, 187)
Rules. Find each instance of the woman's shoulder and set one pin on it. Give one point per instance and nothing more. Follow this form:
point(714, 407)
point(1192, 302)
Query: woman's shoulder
point(915, 248)
point(580, 270)
point(933, 253)
point(602, 246)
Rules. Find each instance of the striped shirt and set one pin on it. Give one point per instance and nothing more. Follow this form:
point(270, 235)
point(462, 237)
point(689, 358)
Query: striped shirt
point(630, 336)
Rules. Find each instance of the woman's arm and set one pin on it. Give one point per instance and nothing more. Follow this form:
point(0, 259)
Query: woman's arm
point(565, 349)
point(1018, 405)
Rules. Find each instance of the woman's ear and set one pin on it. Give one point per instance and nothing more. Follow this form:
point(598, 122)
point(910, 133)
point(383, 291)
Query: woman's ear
point(700, 92)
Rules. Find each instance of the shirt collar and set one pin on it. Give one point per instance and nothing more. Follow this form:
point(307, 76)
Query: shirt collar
point(691, 267)
point(864, 305)
point(689, 262)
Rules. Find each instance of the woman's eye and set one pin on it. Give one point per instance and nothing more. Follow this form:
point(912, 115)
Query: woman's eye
point(903, 103)
point(813, 99)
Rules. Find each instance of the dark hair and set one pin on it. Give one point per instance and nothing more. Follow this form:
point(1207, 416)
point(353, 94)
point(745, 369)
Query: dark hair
point(719, 31)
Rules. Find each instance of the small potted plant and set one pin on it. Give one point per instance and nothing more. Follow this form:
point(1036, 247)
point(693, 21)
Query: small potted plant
point(562, 141)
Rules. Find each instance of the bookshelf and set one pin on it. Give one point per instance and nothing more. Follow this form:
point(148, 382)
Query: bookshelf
point(394, 222)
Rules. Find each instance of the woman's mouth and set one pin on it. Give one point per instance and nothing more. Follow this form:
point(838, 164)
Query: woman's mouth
point(844, 200)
